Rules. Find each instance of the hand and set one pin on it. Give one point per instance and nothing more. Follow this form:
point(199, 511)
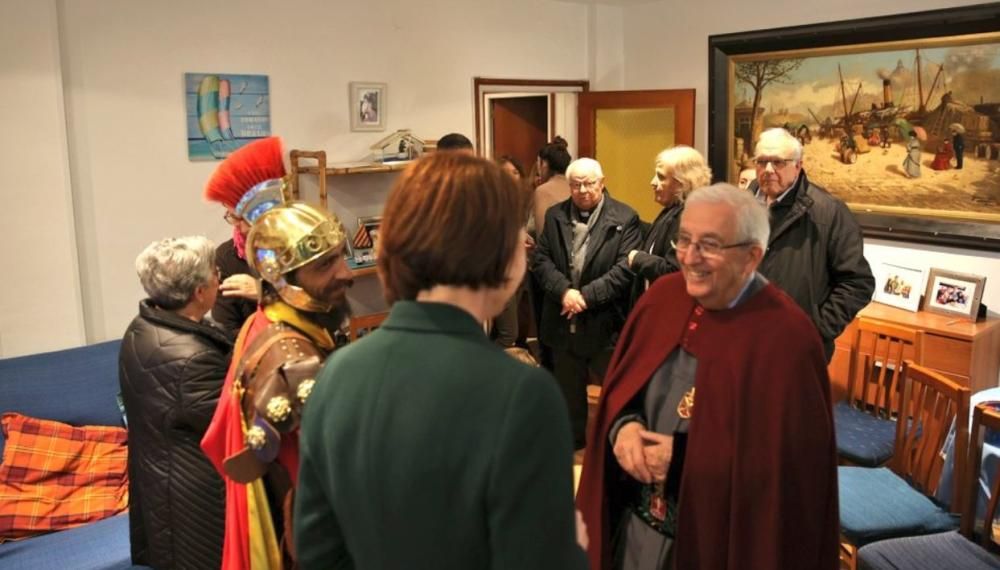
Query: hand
point(572, 303)
point(581, 531)
point(628, 451)
point(657, 451)
point(631, 256)
point(529, 242)
point(240, 285)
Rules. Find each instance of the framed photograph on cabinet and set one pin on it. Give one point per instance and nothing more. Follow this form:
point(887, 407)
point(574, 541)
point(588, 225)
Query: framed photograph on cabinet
point(955, 294)
point(899, 286)
point(367, 106)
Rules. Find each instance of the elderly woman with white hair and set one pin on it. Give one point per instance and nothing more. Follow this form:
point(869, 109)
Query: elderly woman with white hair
point(580, 264)
point(171, 368)
point(678, 171)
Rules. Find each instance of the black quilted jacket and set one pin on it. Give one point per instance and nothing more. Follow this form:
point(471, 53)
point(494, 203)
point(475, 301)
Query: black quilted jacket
point(171, 371)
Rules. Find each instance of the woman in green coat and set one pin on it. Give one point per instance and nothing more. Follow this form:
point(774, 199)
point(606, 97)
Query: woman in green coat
point(424, 445)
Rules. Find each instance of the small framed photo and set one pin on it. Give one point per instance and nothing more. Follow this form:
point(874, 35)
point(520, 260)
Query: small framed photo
point(899, 286)
point(368, 106)
point(955, 294)
point(364, 246)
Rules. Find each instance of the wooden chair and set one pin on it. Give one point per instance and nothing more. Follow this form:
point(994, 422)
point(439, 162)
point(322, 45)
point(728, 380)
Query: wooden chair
point(950, 549)
point(361, 325)
point(882, 503)
point(865, 421)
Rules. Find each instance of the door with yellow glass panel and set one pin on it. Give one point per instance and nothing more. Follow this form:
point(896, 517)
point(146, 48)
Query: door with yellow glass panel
point(624, 131)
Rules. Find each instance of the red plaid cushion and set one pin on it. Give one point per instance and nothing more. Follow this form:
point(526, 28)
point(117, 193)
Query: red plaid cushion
point(55, 476)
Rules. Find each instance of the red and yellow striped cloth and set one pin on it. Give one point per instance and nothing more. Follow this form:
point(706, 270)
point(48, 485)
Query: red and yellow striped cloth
point(55, 476)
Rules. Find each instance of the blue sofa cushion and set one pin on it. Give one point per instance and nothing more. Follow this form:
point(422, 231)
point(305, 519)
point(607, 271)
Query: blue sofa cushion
point(930, 552)
point(103, 545)
point(78, 386)
point(862, 438)
point(876, 504)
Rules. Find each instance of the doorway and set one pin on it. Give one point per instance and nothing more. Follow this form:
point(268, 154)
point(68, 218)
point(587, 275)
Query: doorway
point(560, 112)
point(519, 126)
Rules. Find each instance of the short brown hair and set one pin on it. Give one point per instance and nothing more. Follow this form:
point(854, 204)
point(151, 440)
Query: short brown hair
point(451, 219)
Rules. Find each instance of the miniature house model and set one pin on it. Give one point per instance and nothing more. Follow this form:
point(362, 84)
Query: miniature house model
point(400, 145)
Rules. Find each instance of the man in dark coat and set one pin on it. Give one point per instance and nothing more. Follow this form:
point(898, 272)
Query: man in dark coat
point(958, 144)
point(581, 263)
point(816, 251)
point(742, 472)
point(171, 367)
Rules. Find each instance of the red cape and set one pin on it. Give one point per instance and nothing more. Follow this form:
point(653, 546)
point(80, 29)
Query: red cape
point(759, 488)
point(224, 438)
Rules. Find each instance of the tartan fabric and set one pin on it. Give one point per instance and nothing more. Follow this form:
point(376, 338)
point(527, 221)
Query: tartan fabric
point(55, 476)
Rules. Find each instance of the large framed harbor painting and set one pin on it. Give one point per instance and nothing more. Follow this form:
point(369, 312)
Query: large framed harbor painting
point(899, 116)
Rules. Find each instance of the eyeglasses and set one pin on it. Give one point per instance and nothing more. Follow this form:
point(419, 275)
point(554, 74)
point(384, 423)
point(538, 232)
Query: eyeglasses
point(231, 218)
point(584, 184)
point(705, 248)
point(775, 162)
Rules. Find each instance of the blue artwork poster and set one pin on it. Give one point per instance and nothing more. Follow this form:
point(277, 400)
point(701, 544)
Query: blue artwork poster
point(225, 112)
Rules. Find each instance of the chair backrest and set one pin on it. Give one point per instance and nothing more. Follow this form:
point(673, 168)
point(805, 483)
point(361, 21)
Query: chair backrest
point(928, 409)
point(983, 418)
point(364, 324)
point(873, 379)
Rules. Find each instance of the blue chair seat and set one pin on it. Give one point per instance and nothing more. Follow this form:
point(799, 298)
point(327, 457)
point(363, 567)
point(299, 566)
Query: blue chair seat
point(929, 552)
point(103, 545)
point(876, 504)
point(862, 438)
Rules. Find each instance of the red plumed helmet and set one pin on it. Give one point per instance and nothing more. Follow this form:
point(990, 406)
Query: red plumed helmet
point(243, 169)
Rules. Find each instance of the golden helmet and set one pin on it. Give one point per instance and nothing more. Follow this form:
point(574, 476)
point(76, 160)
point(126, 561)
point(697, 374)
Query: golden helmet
point(287, 237)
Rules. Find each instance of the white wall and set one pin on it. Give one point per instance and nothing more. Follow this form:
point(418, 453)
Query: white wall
point(666, 47)
point(91, 99)
point(124, 65)
point(39, 289)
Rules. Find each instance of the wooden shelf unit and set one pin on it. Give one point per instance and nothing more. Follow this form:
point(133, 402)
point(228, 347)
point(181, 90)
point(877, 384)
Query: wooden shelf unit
point(319, 164)
point(967, 352)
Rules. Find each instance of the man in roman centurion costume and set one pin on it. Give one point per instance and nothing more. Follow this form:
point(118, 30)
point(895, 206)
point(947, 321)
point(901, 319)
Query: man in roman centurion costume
point(299, 252)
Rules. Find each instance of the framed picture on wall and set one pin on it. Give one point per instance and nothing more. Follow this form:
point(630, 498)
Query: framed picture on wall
point(368, 106)
point(898, 286)
point(956, 294)
point(894, 114)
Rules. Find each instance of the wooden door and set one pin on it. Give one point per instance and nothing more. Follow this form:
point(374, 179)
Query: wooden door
point(520, 127)
point(624, 131)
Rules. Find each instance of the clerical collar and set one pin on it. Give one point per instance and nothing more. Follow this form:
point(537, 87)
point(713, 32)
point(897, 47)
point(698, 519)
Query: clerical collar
point(584, 215)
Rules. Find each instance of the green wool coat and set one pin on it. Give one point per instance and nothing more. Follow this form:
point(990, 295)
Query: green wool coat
point(425, 446)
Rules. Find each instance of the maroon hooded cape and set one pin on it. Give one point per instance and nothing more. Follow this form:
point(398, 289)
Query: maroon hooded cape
point(759, 487)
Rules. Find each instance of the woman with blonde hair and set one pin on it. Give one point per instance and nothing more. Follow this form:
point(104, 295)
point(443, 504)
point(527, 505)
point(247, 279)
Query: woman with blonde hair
point(678, 171)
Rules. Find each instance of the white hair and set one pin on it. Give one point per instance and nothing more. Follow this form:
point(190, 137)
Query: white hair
point(751, 216)
point(582, 167)
point(686, 165)
point(778, 141)
point(171, 269)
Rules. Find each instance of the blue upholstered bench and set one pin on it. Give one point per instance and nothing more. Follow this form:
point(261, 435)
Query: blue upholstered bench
point(79, 387)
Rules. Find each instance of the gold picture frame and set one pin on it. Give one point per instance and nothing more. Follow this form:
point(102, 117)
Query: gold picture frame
point(851, 83)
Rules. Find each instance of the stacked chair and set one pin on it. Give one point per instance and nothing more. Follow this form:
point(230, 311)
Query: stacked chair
point(890, 502)
point(950, 549)
point(865, 421)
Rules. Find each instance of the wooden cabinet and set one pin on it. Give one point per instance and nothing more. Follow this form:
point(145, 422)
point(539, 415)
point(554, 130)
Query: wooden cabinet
point(966, 352)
